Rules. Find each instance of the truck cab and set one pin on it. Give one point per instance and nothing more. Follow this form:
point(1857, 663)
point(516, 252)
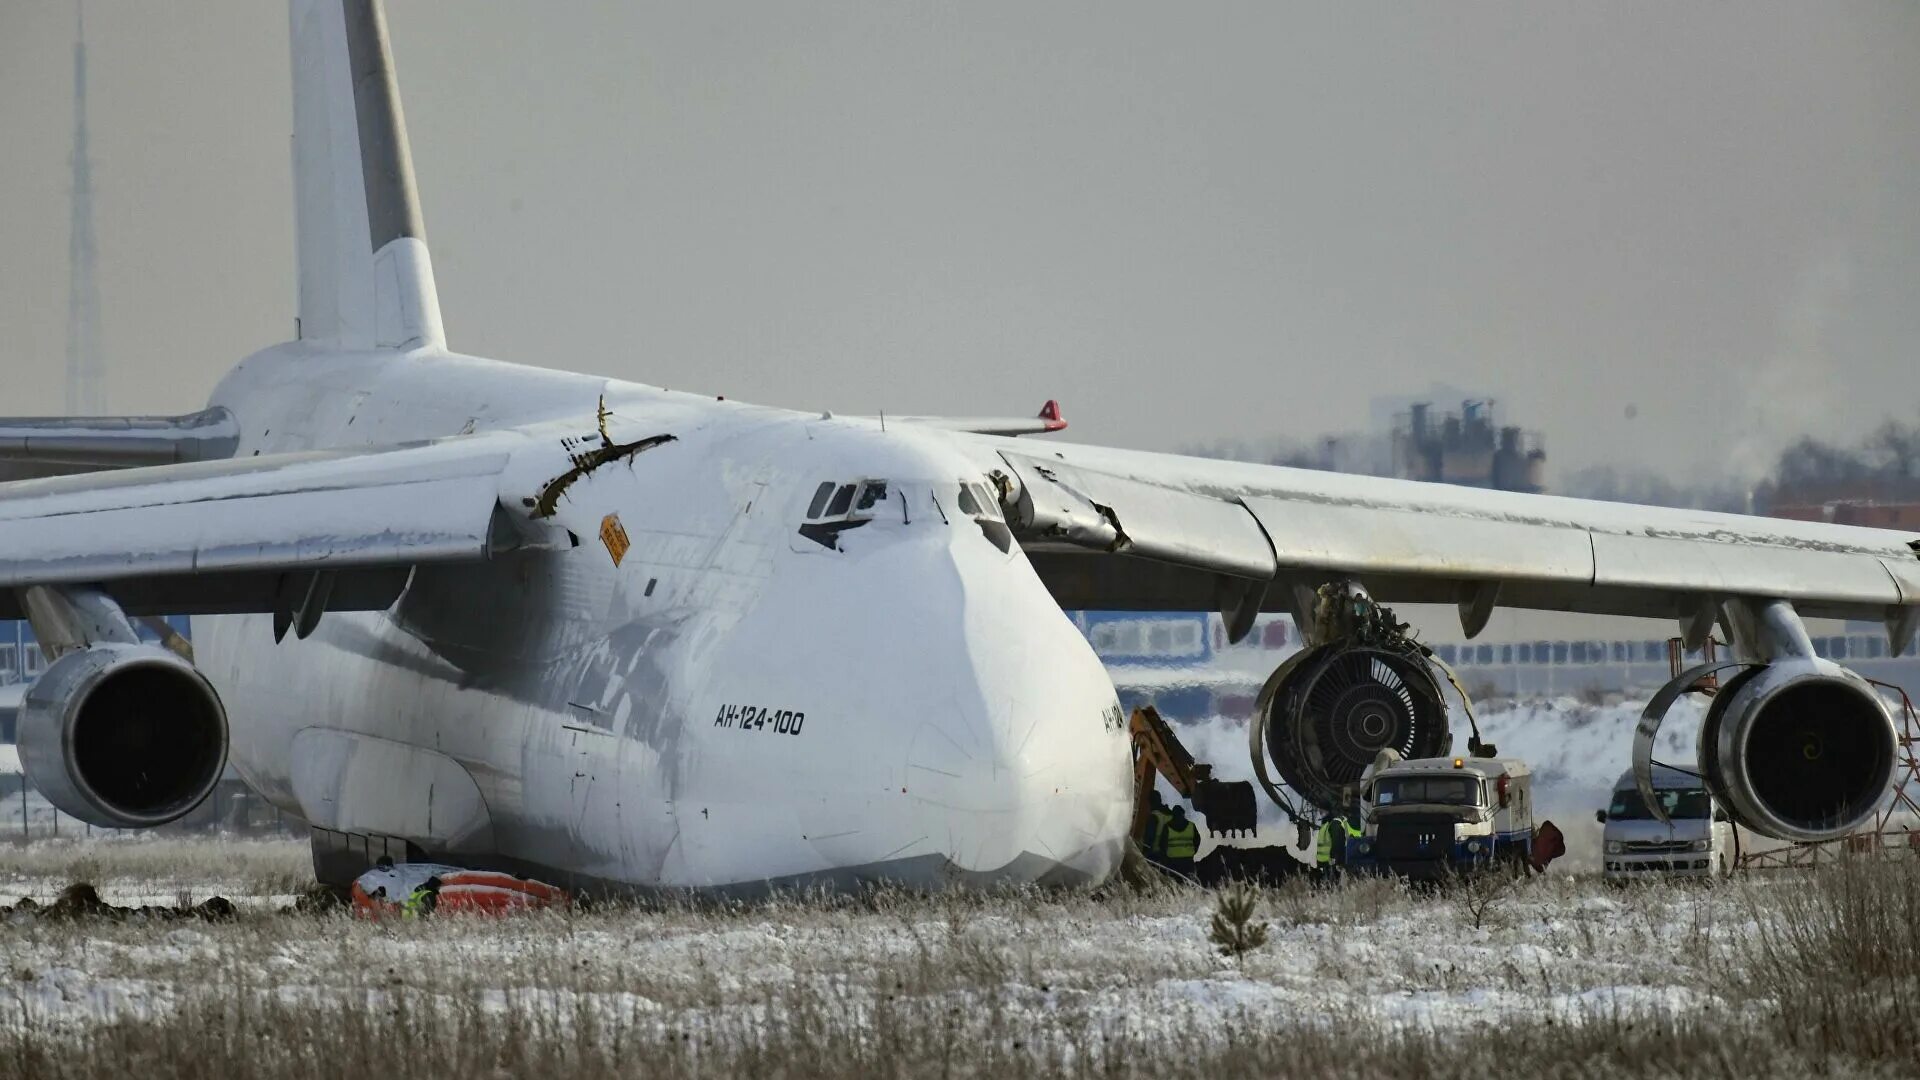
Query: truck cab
point(1695, 841)
point(1432, 818)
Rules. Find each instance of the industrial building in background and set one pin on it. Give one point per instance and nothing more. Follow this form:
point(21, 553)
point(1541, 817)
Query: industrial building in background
point(1408, 438)
point(1467, 448)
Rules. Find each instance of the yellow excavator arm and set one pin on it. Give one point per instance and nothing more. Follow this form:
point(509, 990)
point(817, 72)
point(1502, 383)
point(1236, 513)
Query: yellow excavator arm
point(1227, 806)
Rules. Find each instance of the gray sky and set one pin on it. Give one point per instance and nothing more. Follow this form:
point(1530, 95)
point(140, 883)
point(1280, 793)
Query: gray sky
point(1183, 221)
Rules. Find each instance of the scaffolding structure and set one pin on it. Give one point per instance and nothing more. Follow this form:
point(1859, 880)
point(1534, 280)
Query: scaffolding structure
point(1896, 826)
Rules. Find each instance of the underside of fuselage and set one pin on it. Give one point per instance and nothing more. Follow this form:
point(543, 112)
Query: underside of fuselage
point(705, 684)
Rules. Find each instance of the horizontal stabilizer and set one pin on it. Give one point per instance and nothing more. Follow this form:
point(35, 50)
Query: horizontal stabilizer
point(52, 445)
point(1047, 420)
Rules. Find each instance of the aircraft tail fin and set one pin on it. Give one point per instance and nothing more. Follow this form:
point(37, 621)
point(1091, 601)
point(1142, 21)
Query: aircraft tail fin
point(366, 278)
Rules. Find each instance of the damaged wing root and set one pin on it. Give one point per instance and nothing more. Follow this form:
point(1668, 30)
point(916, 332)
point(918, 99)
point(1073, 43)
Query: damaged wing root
point(586, 461)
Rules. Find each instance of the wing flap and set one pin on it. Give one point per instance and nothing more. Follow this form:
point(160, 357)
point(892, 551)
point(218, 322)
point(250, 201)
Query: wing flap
point(1734, 569)
point(1377, 540)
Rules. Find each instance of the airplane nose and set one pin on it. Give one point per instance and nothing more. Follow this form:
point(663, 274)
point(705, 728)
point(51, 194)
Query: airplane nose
point(960, 732)
point(1022, 773)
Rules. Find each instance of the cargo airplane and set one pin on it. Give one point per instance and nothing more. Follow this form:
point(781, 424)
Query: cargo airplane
point(517, 618)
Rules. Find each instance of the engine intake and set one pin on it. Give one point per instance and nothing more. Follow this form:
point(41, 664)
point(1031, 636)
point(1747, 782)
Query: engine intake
point(1801, 750)
point(123, 736)
point(1330, 710)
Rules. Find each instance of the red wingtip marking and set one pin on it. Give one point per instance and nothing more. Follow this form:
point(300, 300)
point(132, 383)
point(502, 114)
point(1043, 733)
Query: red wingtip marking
point(1050, 412)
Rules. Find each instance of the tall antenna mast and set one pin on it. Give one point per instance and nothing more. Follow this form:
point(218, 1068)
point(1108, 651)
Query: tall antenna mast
point(86, 369)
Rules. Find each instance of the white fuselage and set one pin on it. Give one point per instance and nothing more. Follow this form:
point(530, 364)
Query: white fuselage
point(729, 703)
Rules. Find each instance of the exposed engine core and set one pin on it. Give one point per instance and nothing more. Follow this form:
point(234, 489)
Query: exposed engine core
point(123, 736)
point(1331, 709)
point(1801, 750)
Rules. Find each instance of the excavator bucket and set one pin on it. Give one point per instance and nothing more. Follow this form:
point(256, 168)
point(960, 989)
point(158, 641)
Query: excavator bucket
point(1228, 806)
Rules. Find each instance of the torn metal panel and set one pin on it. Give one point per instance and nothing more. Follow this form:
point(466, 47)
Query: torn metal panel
point(1108, 513)
point(1051, 504)
point(585, 462)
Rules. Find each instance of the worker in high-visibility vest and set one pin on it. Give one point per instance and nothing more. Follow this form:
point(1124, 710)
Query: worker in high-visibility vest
point(1179, 841)
point(422, 900)
point(1154, 844)
point(1330, 845)
point(1323, 850)
point(1350, 830)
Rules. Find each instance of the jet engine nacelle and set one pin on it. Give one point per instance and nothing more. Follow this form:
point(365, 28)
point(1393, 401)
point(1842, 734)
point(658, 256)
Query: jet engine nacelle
point(1328, 711)
point(1800, 749)
point(123, 736)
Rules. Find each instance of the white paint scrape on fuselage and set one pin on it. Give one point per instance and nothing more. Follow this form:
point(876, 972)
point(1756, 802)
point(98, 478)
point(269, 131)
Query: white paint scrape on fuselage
point(732, 703)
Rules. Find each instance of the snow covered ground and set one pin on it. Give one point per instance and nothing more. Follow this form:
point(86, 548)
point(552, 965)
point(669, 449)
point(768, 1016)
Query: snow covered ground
point(1560, 947)
point(1017, 983)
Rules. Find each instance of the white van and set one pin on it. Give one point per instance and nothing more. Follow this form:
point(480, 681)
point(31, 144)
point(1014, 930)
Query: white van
point(1697, 841)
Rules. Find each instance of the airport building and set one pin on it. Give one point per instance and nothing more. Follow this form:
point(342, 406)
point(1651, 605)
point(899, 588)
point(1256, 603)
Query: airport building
point(21, 660)
point(1182, 663)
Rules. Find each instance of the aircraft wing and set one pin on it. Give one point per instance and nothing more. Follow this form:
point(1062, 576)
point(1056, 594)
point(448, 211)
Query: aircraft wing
point(228, 536)
point(1130, 530)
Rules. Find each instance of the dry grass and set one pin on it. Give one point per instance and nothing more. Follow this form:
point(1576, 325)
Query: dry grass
point(146, 863)
point(1837, 953)
point(1785, 976)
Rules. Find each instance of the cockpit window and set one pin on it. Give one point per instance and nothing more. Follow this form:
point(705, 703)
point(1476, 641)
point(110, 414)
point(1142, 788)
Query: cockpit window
point(842, 501)
point(978, 503)
point(820, 497)
point(836, 508)
point(833, 510)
